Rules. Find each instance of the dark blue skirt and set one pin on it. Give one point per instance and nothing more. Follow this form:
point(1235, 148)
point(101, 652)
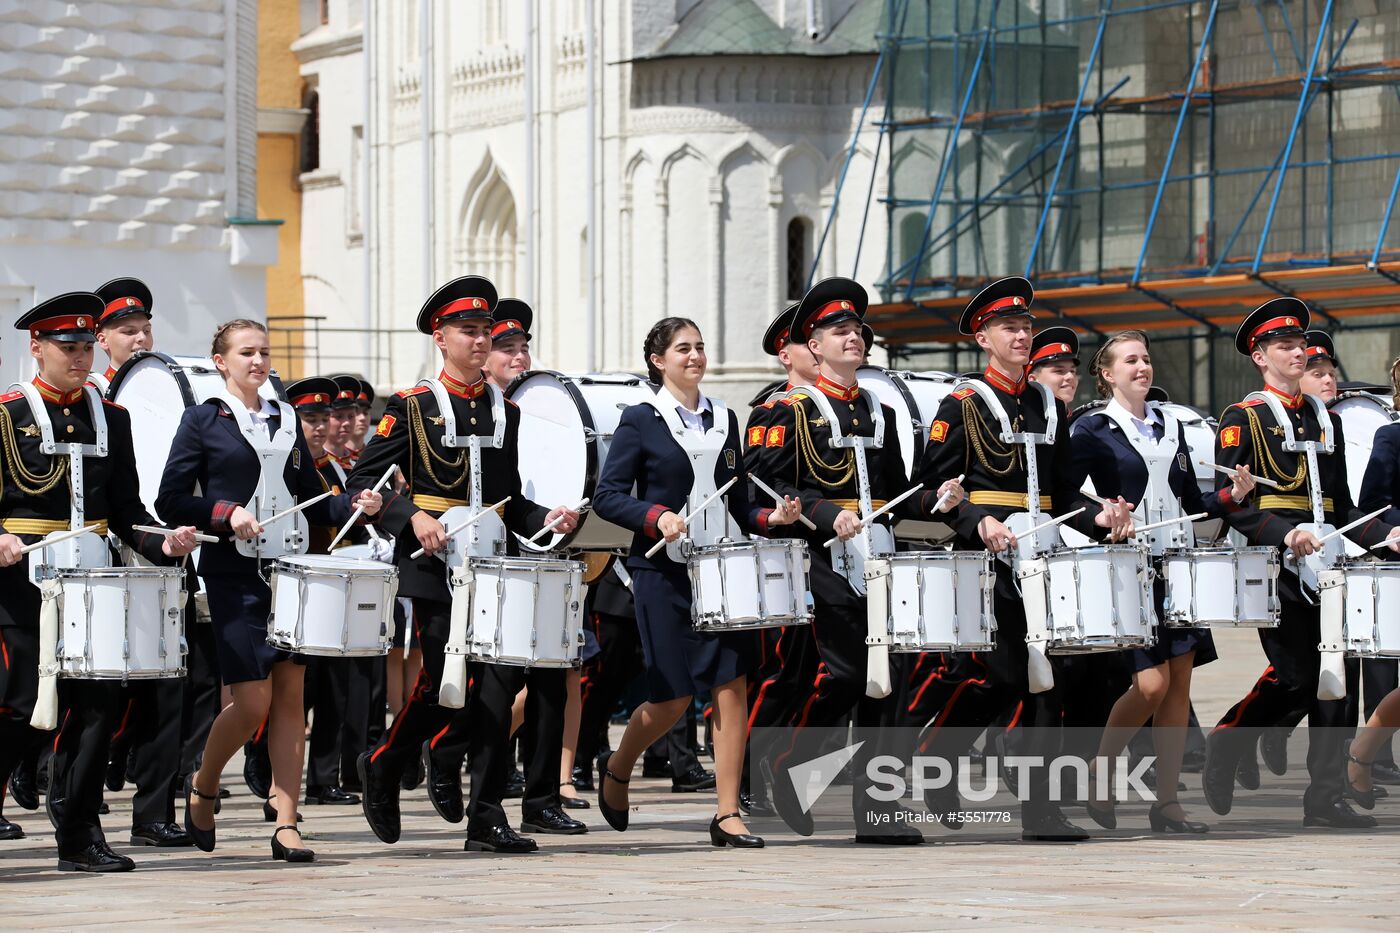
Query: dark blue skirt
point(680, 661)
point(1172, 642)
point(239, 607)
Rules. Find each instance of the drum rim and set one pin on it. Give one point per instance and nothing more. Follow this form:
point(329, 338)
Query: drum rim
point(117, 573)
point(1212, 551)
point(786, 544)
point(910, 557)
point(348, 563)
point(504, 561)
point(175, 368)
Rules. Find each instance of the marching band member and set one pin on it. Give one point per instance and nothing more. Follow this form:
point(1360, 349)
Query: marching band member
point(1261, 431)
point(659, 448)
point(835, 485)
point(36, 499)
point(458, 317)
point(221, 449)
point(1320, 378)
point(340, 434)
point(963, 439)
point(364, 404)
point(148, 736)
point(1132, 450)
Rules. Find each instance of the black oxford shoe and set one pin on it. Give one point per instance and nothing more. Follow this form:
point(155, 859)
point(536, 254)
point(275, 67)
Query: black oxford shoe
point(10, 830)
point(444, 787)
point(95, 858)
point(1337, 815)
point(1050, 825)
point(162, 835)
point(553, 821)
point(380, 801)
point(331, 796)
point(23, 789)
point(499, 839)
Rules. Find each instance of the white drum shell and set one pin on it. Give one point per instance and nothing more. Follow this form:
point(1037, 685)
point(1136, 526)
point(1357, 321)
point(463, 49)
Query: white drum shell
point(941, 601)
point(121, 623)
point(523, 612)
point(1371, 626)
point(1362, 414)
point(330, 606)
point(566, 427)
point(1100, 599)
point(1221, 587)
point(741, 585)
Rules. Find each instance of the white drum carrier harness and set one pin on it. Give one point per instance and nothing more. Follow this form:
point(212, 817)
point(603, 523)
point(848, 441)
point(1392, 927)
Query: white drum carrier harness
point(874, 540)
point(1158, 503)
point(486, 536)
point(713, 524)
point(271, 494)
point(87, 550)
point(1319, 571)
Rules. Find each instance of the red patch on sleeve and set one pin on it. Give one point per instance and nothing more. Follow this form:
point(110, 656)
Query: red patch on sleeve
point(963, 393)
point(1249, 403)
point(1230, 437)
point(11, 396)
point(756, 436)
point(386, 424)
point(776, 435)
point(939, 432)
point(413, 390)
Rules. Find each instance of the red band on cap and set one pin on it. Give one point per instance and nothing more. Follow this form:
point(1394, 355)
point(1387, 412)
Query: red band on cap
point(782, 339)
point(1318, 351)
point(63, 322)
point(1275, 323)
point(344, 393)
point(1051, 349)
point(312, 399)
point(827, 310)
point(461, 304)
point(505, 326)
point(986, 312)
point(362, 397)
point(122, 304)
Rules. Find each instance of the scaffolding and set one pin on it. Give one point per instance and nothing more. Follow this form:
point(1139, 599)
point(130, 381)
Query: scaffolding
point(1159, 165)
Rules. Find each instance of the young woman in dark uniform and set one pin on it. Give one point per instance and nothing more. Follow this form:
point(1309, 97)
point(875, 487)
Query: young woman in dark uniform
point(1125, 449)
point(209, 454)
point(649, 452)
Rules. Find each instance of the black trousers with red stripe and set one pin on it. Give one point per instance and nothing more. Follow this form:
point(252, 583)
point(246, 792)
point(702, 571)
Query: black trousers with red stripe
point(90, 711)
point(494, 689)
point(1290, 685)
point(421, 717)
point(19, 682)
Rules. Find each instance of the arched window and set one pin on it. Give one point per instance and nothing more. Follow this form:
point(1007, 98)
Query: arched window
point(311, 134)
point(798, 258)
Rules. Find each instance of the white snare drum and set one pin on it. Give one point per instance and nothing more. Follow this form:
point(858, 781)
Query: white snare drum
point(1371, 624)
point(740, 585)
point(1221, 587)
point(331, 606)
point(1099, 599)
point(522, 611)
point(121, 623)
point(942, 601)
point(914, 397)
point(566, 428)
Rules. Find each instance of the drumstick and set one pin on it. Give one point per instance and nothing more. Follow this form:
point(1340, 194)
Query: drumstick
point(296, 508)
point(944, 498)
point(1054, 521)
point(57, 539)
point(171, 532)
point(555, 521)
point(464, 525)
point(1233, 472)
point(1170, 521)
point(694, 512)
point(764, 487)
point(360, 509)
point(866, 520)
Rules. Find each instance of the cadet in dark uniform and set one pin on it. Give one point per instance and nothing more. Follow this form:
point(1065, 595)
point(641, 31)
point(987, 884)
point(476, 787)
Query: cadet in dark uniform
point(458, 317)
point(1272, 337)
point(964, 439)
point(802, 463)
point(34, 502)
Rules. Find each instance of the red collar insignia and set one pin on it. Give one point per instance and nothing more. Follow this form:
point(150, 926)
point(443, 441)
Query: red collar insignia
point(998, 381)
point(50, 394)
point(465, 390)
point(836, 390)
point(1289, 401)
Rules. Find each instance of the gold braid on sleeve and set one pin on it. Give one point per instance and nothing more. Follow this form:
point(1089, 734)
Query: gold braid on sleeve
point(426, 454)
point(1289, 482)
point(985, 442)
point(831, 475)
point(28, 483)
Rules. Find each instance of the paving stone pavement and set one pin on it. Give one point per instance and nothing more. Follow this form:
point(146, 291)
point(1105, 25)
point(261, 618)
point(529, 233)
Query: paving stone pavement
point(663, 874)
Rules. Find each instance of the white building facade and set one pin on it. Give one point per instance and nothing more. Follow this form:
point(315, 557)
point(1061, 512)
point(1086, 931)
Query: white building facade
point(128, 147)
point(718, 131)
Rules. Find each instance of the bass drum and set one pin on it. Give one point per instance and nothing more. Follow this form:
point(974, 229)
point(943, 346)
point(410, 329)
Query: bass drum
point(155, 389)
point(566, 428)
point(914, 397)
point(1362, 414)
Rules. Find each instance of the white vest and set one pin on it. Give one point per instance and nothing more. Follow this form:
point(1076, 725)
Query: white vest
point(485, 537)
point(271, 495)
point(714, 523)
point(1158, 503)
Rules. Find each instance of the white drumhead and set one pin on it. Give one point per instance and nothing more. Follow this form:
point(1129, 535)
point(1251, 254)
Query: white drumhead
point(1362, 415)
point(915, 397)
point(554, 445)
point(1200, 437)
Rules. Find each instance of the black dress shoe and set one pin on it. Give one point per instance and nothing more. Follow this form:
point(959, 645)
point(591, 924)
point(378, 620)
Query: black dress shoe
point(583, 778)
point(499, 839)
point(162, 835)
point(553, 821)
point(1365, 798)
point(116, 773)
point(1247, 768)
point(444, 787)
point(1337, 815)
point(652, 768)
point(1161, 823)
point(95, 858)
point(515, 785)
point(575, 802)
point(1194, 761)
point(257, 772)
point(1218, 780)
point(203, 839)
point(285, 853)
point(270, 812)
point(331, 796)
point(696, 779)
point(53, 808)
point(380, 801)
point(784, 797)
point(617, 817)
point(719, 837)
point(1048, 824)
point(10, 830)
point(1382, 772)
point(945, 803)
point(23, 789)
point(103, 809)
point(1273, 748)
point(894, 828)
point(413, 776)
